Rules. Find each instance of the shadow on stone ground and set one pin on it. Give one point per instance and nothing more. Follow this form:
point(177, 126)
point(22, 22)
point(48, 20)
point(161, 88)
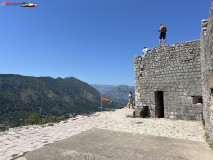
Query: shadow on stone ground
point(98, 144)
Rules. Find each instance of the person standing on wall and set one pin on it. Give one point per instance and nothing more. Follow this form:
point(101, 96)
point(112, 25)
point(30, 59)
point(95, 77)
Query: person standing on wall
point(162, 31)
point(130, 100)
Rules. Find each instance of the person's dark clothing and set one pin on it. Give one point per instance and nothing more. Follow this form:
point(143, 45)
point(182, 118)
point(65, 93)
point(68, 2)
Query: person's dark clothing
point(162, 35)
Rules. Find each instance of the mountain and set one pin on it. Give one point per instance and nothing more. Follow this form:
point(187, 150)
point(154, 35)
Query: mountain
point(20, 96)
point(102, 88)
point(120, 94)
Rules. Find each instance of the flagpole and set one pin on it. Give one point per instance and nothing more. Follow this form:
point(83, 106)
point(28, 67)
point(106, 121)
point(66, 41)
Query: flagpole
point(101, 102)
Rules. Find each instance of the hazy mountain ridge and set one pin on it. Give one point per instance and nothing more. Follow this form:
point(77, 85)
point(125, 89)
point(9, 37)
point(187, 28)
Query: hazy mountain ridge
point(117, 93)
point(102, 88)
point(120, 93)
point(20, 96)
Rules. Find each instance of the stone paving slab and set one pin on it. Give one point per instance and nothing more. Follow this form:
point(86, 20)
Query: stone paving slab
point(28, 138)
point(98, 144)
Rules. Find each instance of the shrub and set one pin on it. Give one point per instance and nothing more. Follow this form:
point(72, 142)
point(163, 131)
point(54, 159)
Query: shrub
point(34, 119)
point(119, 107)
point(52, 119)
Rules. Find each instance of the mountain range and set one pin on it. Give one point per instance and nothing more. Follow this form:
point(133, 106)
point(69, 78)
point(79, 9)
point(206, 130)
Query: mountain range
point(20, 96)
point(103, 88)
point(116, 93)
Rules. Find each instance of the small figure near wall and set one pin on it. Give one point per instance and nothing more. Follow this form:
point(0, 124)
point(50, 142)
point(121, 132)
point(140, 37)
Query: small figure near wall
point(131, 100)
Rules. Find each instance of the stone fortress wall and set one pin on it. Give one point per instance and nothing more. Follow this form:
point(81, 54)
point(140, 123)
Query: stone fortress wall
point(177, 81)
point(175, 72)
point(207, 71)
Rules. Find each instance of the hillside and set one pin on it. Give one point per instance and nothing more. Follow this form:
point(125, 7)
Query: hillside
point(120, 93)
point(20, 96)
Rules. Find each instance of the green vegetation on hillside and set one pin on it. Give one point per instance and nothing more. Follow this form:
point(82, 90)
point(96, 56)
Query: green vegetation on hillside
point(21, 96)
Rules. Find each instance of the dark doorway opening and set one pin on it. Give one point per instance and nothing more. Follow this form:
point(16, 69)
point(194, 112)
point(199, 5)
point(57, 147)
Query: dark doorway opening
point(159, 104)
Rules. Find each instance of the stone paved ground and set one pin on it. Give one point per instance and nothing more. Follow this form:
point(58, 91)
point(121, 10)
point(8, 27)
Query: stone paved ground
point(101, 144)
point(16, 141)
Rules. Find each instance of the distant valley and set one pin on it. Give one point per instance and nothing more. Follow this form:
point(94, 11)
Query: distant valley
point(102, 88)
point(116, 93)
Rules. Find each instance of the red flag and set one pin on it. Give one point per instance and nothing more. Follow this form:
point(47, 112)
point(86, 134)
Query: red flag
point(106, 100)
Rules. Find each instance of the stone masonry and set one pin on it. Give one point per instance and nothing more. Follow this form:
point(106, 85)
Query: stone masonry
point(177, 81)
point(207, 71)
point(175, 71)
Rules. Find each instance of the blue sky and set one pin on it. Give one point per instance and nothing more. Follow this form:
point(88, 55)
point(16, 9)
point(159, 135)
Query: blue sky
point(92, 40)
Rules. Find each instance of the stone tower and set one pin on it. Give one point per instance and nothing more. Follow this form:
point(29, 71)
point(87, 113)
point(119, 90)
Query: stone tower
point(177, 81)
point(168, 81)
